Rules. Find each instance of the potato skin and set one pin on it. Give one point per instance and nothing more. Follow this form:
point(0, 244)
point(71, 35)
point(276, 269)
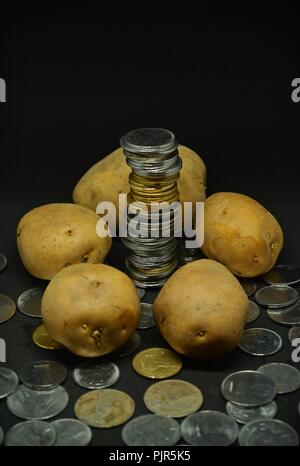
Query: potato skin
point(241, 234)
point(53, 236)
point(201, 310)
point(91, 309)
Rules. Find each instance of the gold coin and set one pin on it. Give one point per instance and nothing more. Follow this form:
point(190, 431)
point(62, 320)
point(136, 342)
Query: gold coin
point(42, 339)
point(157, 363)
point(104, 408)
point(173, 398)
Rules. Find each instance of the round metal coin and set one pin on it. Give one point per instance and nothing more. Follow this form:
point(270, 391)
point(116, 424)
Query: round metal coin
point(43, 375)
point(276, 296)
point(285, 377)
point(35, 404)
point(29, 303)
point(294, 333)
point(151, 430)
point(209, 428)
point(260, 342)
point(7, 308)
point(249, 286)
point(3, 262)
point(244, 415)
point(94, 376)
point(129, 347)
point(248, 388)
point(173, 398)
point(146, 320)
point(141, 292)
point(268, 432)
point(9, 382)
point(287, 316)
point(253, 312)
point(31, 434)
point(283, 275)
point(42, 339)
point(157, 363)
point(71, 432)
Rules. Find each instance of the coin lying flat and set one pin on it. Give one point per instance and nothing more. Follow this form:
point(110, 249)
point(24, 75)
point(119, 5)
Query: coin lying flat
point(285, 377)
point(157, 363)
point(244, 415)
point(31, 434)
point(43, 375)
point(140, 292)
point(29, 303)
point(9, 382)
point(283, 275)
point(287, 316)
point(146, 320)
point(104, 408)
point(94, 376)
point(268, 432)
point(151, 430)
point(253, 312)
point(3, 262)
point(249, 286)
point(248, 388)
point(71, 432)
point(260, 342)
point(7, 308)
point(42, 339)
point(276, 296)
point(294, 333)
point(35, 404)
point(129, 347)
point(173, 398)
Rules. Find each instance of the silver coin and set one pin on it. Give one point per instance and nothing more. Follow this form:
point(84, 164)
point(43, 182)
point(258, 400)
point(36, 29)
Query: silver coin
point(7, 308)
point(36, 404)
point(1, 435)
point(249, 286)
point(209, 428)
point(141, 292)
point(43, 375)
point(151, 430)
point(71, 432)
point(276, 296)
point(248, 388)
point(268, 432)
point(146, 320)
point(9, 382)
point(294, 333)
point(94, 376)
point(244, 415)
point(29, 303)
point(129, 347)
point(260, 342)
point(31, 434)
point(283, 275)
point(3, 262)
point(285, 377)
point(253, 312)
point(287, 316)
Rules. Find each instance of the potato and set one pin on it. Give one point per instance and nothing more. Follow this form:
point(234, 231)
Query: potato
point(201, 310)
point(91, 309)
point(241, 234)
point(54, 236)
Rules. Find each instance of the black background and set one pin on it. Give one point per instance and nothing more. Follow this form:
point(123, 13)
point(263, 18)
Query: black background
point(78, 78)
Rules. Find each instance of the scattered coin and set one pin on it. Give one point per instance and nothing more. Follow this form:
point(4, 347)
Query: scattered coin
point(42, 339)
point(157, 363)
point(285, 377)
point(151, 430)
point(36, 404)
point(294, 333)
point(7, 308)
point(283, 275)
point(253, 312)
point(244, 415)
point(209, 428)
point(276, 296)
point(71, 432)
point(129, 347)
point(173, 398)
point(1, 435)
point(94, 376)
point(287, 316)
point(268, 432)
point(260, 342)
point(249, 286)
point(31, 433)
point(146, 320)
point(140, 292)
point(43, 375)
point(104, 408)
point(248, 388)
point(29, 303)
point(3, 262)
point(8, 382)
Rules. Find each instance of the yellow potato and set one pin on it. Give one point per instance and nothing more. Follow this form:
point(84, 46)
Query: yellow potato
point(241, 234)
point(54, 236)
point(91, 309)
point(201, 310)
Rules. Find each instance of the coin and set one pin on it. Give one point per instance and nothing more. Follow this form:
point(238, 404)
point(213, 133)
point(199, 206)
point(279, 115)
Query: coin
point(283, 275)
point(104, 408)
point(94, 376)
point(8, 382)
point(31, 434)
point(146, 320)
point(248, 388)
point(244, 415)
point(285, 377)
point(276, 296)
point(151, 430)
point(42, 339)
point(3, 262)
point(268, 432)
point(287, 316)
point(35, 404)
point(129, 347)
point(173, 398)
point(253, 312)
point(140, 292)
point(294, 333)
point(249, 286)
point(157, 363)
point(29, 303)
point(43, 375)
point(1, 435)
point(71, 432)
point(7, 308)
point(260, 342)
